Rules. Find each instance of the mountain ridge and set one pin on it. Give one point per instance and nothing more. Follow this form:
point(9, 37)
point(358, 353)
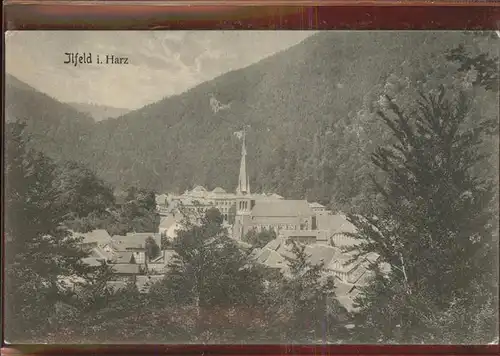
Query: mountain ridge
point(296, 102)
point(99, 112)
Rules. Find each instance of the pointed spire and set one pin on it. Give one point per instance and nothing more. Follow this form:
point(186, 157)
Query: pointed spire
point(243, 181)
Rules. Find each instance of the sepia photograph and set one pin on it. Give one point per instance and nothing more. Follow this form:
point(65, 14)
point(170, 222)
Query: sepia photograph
point(251, 187)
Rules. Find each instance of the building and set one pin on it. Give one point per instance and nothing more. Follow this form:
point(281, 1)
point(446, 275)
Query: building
point(199, 200)
point(135, 243)
point(160, 264)
point(339, 229)
point(318, 208)
point(350, 274)
point(277, 215)
point(126, 272)
point(97, 243)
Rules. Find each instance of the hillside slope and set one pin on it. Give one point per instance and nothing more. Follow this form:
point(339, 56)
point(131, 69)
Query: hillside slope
point(310, 110)
point(56, 128)
point(99, 112)
point(286, 99)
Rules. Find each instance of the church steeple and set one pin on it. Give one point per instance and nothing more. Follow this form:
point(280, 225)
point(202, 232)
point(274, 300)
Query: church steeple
point(243, 181)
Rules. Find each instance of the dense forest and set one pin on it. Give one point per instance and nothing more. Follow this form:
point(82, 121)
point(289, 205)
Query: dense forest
point(313, 119)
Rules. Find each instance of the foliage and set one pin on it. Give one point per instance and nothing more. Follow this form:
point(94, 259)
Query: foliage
point(296, 146)
point(430, 215)
point(484, 66)
point(259, 239)
point(231, 215)
point(81, 191)
point(303, 307)
point(152, 248)
point(138, 213)
point(435, 228)
point(40, 253)
point(232, 282)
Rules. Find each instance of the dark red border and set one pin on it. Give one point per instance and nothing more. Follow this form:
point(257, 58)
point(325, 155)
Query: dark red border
point(386, 15)
point(361, 15)
point(337, 350)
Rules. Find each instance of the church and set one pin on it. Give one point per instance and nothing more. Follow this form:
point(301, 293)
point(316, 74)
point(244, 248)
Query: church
point(244, 210)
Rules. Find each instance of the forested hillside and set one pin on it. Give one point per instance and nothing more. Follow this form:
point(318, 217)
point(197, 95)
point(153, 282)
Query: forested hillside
point(56, 128)
point(99, 112)
point(311, 111)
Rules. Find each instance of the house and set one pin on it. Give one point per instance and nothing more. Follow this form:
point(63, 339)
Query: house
point(126, 271)
point(318, 208)
point(97, 243)
point(135, 243)
point(350, 274)
point(169, 225)
point(159, 265)
point(124, 257)
point(305, 236)
point(277, 215)
point(338, 228)
point(271, 259)
point(95, 238)
point(93, 262)
point(165, 223)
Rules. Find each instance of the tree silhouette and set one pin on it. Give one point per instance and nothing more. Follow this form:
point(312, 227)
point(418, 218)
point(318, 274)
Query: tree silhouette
point(435, 229)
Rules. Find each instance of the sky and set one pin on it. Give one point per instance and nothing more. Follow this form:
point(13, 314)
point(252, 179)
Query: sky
point(161, 63)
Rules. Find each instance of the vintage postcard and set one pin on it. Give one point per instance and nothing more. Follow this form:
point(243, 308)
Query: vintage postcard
point(251, 187)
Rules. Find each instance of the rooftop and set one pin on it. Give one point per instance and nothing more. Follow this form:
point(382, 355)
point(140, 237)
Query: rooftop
point(218, 190)
point(98, 252)
point(134, 241)
point(281, 208)
point(199, 189)
point(126, 268)
point(92, 261)
point(316, 205)
point(319, 253)
point(167, 221)
point(101, 237)
point(123, 257)
point(335, 224)
point(165, 257)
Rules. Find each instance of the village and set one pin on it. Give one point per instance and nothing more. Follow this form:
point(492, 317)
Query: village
point(144, 258)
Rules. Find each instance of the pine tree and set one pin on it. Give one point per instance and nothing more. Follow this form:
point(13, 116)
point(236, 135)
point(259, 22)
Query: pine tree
point(209, 278)
point(303, 306)
point(40, 252)
point(435, 229)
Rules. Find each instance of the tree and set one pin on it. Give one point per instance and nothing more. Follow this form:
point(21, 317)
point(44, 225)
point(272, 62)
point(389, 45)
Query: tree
point(152, 248)
point(139, 213)
point(81, 192)
point(261, 238)
point(435, 229)
point(305, 308)
point(209, 278)
point(231, 215)
point(40, 252)
point(484, 66)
